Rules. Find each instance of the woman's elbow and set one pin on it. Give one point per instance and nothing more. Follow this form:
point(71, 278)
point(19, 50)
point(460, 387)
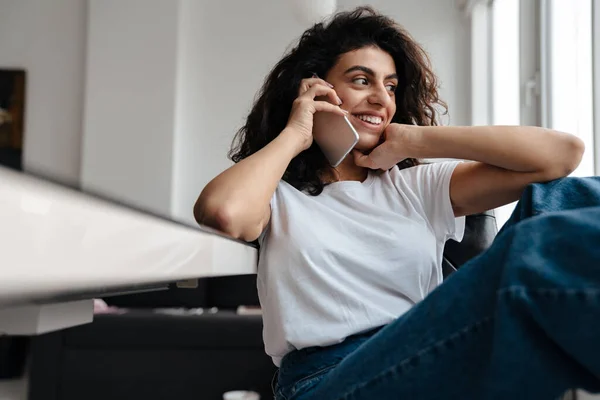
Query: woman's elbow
point(571, 153)
point(574, 151)
point(213, 215)
point(223, 218)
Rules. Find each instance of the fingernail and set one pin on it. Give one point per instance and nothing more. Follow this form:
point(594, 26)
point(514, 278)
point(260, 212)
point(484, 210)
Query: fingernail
point(330, 85)
point(314, 75)
point(339, 101)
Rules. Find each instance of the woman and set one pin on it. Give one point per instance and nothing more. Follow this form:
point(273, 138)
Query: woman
point(350, 256)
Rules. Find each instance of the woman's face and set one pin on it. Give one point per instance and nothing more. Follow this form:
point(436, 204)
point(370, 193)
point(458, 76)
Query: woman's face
point(365, 80)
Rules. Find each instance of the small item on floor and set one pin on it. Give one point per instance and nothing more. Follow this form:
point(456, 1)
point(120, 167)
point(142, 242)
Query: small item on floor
point(249, 310)
point(188, 284)
point(179, 311)
point(100, 307)
point(241, 395)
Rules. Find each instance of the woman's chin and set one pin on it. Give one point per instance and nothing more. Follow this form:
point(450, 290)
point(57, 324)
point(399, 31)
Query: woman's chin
point(366, 145)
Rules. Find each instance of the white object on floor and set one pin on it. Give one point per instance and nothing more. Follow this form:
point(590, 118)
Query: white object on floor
point(583, 395)
point(241, 395)
point(249, 310)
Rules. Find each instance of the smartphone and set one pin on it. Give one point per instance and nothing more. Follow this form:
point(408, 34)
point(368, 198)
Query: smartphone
point(335, 135)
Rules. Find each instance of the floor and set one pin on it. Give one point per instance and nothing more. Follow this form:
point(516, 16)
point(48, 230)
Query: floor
point(13, 389)
point(586, 396)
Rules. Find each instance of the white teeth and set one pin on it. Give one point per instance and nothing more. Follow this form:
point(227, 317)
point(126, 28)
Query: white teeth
point(370, 118)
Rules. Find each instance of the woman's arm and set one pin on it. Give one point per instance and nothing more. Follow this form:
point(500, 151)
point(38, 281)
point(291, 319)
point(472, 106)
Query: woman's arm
point(550, 154)
point(507, 159)
point(237, 201)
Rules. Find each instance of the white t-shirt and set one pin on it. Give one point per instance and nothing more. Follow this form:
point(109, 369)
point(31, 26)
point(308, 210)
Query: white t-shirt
point(355, 257)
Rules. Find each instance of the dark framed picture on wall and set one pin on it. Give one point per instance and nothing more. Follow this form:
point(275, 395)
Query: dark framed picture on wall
point(12, 117)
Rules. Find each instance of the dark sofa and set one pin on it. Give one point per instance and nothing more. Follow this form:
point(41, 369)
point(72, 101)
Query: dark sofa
point(148, 354)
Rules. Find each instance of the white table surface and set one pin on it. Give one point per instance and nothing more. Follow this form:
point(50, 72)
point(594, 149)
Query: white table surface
point(61, 246)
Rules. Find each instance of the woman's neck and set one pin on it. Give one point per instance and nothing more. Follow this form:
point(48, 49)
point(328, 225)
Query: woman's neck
point(346, 171)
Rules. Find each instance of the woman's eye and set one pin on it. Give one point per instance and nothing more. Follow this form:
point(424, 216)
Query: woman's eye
point(361, 81)
point(391, 88)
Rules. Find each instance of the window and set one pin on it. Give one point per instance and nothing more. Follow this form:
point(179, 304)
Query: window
point(506, 99)
point(533, 64)
point(506, 94)
point(568, 64)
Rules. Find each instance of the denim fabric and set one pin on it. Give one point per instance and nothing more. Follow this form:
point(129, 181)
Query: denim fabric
point(520, 321)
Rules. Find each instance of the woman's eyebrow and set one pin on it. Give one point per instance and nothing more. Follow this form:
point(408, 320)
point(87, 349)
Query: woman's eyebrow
point(368, 71)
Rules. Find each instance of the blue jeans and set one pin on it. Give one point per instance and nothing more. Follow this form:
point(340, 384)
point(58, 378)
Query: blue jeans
point(520, 321)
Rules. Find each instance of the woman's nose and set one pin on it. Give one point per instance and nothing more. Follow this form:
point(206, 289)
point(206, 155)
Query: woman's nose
point(379, 96)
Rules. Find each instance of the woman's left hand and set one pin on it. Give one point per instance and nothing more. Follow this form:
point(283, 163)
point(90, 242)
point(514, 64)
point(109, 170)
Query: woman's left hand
point(395, 147)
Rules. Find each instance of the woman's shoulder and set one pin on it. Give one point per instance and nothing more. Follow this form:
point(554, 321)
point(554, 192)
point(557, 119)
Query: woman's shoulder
point(424, 178)
point(430, 168)
point(287, 188)
point(285, 192)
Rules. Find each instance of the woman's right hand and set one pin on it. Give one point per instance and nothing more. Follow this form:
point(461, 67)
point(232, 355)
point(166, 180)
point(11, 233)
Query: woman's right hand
point(305, 106)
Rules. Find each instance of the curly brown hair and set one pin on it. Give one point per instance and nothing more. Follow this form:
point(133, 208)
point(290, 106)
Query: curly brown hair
point(317, 51)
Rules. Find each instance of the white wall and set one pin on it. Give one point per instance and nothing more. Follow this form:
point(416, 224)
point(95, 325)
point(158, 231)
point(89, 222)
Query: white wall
point(225, 56)
point(130, 101)
point(47, 39)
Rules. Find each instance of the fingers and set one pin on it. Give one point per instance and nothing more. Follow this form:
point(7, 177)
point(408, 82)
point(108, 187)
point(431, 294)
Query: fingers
point(319, 90)
point(308, 87)
point(306, 84)
point(328, 107)
point(363, 160)
point(378, 158)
